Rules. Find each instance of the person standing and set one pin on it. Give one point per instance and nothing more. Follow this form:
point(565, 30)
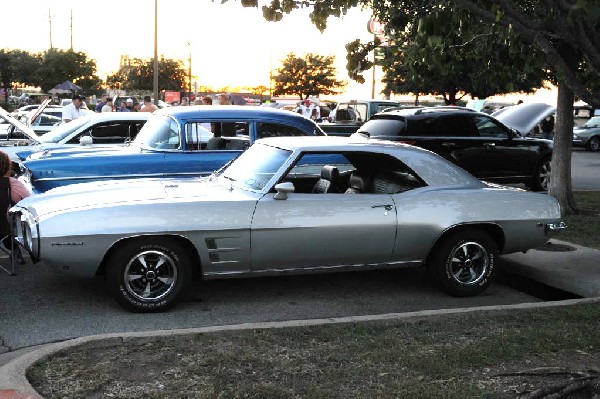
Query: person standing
point(73, 110)
point(148, 106)
point(100, 104)
point(206, 100)
point(108, 106)
point(547, 127)
point(129, 104)
point(223, 99)
point(123, 107)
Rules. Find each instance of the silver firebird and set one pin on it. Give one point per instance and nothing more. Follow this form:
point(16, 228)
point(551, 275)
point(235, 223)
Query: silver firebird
point(286, 205)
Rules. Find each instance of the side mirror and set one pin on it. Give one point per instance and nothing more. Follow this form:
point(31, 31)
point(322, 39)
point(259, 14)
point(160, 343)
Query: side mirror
point(283, 189)
point(86, 140)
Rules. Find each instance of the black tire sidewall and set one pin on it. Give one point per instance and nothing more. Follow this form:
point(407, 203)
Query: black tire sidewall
point(591, 141)
point(439, 263)
point(119, 259)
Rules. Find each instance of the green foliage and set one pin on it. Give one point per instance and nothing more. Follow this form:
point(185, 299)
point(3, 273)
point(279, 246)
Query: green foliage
point(138, 74)
point(60, 65)
point(18, 66)
point(306, 76)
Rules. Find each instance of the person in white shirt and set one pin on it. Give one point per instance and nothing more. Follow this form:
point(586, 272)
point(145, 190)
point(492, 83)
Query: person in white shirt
point(72, 111)
point(108, 105)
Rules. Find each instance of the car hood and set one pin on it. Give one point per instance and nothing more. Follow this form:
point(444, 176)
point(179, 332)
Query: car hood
point(27, 131)
point(524, 117)
point(114, 193)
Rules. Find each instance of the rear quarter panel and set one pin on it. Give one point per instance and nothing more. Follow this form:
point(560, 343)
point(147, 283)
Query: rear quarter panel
point(425, 214)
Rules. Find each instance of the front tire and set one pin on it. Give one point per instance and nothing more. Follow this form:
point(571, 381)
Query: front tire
point(593, 144)
point(464, 264)
point(540, 181)
point(149, 274)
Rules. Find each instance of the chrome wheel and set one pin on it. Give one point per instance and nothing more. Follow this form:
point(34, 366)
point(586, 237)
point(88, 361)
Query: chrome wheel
point(544, 176)
point(150, 276)
point(463, 263)
point(469, 263)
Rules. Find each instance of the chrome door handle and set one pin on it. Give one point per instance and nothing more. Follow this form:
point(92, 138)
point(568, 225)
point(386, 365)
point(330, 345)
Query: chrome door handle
point(448, 144)
point(489, 144)
point(387, 207)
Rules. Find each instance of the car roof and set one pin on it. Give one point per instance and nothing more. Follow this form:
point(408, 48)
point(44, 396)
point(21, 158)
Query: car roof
point(191, 112)
point(234, 111)
point(117, 116)
point(434, 169)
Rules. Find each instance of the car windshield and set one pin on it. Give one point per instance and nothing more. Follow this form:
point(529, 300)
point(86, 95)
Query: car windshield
point(160, 132)
point(256, 166)
point(63, 131)
point(594, 122)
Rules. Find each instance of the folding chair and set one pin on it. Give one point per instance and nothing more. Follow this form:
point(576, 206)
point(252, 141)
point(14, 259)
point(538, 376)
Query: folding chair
point(7, 242)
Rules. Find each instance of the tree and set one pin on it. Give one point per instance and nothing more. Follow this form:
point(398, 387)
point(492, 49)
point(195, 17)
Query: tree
point(566, 32)
point(457, 57)
point(138, 74)
point(60, 65)
point(311, 75)
point(18, 67)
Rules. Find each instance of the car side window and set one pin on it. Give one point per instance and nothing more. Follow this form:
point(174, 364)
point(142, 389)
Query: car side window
point(116, 133)
point(229, 135)
point(197, 135)
point(457, 125)
point(351, 173)
point(488, 127)
point(265, 129)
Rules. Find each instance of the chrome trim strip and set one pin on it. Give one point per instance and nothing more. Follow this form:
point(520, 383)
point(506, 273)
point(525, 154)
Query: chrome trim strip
point(112, 177)
point(302, 270)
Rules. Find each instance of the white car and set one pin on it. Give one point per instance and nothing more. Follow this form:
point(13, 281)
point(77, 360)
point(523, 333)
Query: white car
point(109, 128)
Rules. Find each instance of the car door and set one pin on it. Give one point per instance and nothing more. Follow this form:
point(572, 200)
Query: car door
point(307, 230)
point(312, 230)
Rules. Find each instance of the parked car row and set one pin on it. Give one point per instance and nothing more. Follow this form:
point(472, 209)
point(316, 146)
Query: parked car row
point(189, 194)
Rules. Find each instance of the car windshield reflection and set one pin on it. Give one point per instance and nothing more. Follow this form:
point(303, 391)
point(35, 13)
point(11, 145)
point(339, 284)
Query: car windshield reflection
point(62, 131)
point(255, 167)
point(160, 132)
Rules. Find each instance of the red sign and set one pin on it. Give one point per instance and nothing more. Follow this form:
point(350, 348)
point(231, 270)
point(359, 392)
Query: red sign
point(172, 97)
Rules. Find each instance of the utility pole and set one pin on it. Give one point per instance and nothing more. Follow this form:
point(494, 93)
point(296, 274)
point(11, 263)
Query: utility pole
point(50, 24)
point(190, 71)
point(155, 64)
point(71, 30)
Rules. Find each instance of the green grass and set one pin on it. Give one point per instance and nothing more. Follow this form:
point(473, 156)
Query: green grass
point(451, 356)
point(584, 228)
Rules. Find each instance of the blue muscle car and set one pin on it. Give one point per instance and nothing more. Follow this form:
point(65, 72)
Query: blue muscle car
point(175, 142)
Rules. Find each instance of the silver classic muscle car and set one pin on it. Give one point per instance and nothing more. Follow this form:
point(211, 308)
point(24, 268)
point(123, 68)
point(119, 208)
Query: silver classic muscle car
point(286, 205)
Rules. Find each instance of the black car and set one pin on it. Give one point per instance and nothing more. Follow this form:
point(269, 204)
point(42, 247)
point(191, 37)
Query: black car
point(477, 142)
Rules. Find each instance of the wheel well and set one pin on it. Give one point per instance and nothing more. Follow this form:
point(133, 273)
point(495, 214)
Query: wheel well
point(493, 230)
point(187, 245)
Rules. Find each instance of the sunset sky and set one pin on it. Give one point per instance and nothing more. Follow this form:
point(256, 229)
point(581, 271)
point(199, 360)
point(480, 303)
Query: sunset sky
point(230, 45)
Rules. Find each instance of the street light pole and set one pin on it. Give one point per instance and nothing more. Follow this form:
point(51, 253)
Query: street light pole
point(190, 71)
point(155, 64)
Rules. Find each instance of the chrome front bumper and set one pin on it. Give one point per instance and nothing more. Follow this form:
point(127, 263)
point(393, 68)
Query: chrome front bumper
point(553, 228)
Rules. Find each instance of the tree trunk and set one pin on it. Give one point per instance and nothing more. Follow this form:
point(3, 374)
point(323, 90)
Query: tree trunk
point(560, 181)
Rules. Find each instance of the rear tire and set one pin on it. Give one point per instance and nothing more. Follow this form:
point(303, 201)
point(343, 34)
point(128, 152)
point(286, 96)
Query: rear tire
point(464, 264)
point(149, 274)
point(593, 144)
point(540, 181)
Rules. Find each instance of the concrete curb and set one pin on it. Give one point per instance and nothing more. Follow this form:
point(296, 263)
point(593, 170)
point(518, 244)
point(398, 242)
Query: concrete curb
point(14, 384)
